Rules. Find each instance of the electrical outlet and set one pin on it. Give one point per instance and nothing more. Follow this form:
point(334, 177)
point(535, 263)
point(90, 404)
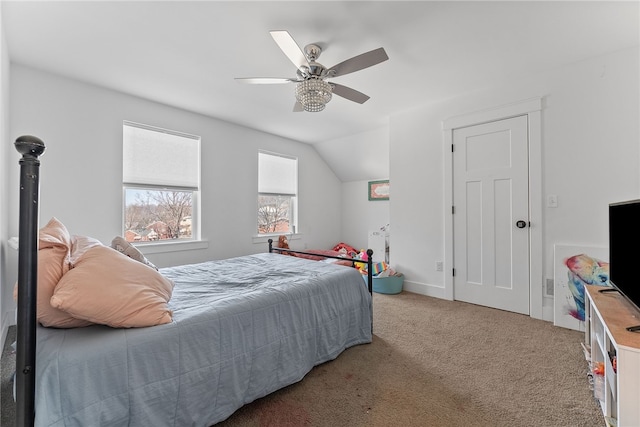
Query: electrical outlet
point(439, 265)
point(550, 287)
point(552, 201)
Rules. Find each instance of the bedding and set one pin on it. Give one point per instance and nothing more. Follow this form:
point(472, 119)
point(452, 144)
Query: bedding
point(332, 256)
point(54, 249)
point(241, 329)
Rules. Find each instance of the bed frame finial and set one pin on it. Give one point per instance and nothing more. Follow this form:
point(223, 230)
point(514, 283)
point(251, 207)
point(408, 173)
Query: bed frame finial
point(30, 147)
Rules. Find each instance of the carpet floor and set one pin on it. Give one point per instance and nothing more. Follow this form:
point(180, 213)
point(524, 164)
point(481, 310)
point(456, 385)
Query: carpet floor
point(431, 363)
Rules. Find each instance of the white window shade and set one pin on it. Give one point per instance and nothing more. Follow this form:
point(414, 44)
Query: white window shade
point(277, 174)
point(156, 157)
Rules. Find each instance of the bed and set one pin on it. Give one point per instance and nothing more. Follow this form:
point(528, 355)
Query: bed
point(342, 254)
point(241, 328)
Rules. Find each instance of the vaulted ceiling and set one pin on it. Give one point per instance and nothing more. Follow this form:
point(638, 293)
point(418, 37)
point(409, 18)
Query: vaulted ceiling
point(187, 54)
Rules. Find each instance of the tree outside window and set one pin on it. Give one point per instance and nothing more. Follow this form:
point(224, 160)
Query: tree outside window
point(274, 214)
point(277, 193)
point(152, 215)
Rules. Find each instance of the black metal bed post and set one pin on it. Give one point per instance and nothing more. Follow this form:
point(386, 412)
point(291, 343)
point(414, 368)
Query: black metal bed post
point(370, 281)
point(30, 147)
point(270, 245)
point(370, 270)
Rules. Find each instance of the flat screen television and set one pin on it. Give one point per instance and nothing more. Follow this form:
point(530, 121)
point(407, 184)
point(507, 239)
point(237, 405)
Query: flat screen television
point(624, 249)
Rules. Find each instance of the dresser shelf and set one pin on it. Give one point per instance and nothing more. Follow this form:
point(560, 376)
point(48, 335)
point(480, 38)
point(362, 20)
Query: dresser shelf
point(607, 316)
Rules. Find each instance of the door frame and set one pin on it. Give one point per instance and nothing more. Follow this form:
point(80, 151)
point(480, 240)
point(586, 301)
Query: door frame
point(532, 108)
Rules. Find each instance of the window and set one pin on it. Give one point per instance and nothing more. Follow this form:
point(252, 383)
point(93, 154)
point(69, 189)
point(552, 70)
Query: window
point(277, 193)
point(161, 184)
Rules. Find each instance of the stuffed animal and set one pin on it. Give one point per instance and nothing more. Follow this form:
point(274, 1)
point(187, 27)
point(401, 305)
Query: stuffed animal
point(362, 266)
point(284, 244)
point(349, 250)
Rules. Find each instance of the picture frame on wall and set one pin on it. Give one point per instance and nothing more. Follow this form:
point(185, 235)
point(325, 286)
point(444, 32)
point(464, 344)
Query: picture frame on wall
point(379, 190)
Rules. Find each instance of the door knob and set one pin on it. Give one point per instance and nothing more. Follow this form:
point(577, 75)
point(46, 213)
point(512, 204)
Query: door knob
point(521, 224)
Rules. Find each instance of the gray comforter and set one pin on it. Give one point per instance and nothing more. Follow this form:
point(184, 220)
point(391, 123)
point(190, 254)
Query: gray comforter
point(242, 328)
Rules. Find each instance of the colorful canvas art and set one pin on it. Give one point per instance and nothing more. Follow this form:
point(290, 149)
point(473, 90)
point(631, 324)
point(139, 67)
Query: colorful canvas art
point(575, 267)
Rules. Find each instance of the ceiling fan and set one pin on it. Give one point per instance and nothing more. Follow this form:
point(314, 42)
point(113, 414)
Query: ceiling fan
point(313, 92)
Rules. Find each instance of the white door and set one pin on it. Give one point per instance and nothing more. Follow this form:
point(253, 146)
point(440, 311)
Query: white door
point(491, 214)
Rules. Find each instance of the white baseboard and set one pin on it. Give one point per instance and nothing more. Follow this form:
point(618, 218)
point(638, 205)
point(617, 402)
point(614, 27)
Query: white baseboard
point(8, 320)
point(438, 292)
point(547, 310)
point(5, 329)
point(424, 289)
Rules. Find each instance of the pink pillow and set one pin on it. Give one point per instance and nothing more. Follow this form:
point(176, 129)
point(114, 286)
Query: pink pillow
point(52, 266)
point(54, 233)
point(80, 245)
point(110, 288)
point(53, 263)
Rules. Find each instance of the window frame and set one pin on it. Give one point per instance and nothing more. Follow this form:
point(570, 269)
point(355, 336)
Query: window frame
point(167, 245)
point(293, 215)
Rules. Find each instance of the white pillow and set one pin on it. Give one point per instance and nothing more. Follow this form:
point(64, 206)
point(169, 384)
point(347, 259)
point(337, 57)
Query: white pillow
point(121, 245)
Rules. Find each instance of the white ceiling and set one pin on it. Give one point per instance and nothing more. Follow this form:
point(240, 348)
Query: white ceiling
point(187, 54)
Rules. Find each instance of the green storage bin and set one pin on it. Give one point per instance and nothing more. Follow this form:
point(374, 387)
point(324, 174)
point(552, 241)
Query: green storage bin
point(387, 285)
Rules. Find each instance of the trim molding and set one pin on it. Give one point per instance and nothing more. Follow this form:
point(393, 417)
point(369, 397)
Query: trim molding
point(8, 320)
point(532, 108)
point(493, 114)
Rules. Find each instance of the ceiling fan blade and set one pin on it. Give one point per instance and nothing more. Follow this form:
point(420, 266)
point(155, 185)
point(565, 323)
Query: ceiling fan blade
point(297, 107)
point(264, 80)
point(348, 93)
point(359, 62)
point(290, 48)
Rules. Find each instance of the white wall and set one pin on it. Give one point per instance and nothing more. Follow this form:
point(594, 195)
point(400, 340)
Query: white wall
point(359, 215)
point(363, 156)
point(81, 169)
point(356, 160)
point(5, 289)
point(591, 157)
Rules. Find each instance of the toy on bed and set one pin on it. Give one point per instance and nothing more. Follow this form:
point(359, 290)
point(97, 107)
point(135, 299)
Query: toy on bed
point(346, 250)
point(283, 243)
point(341, 253)
point(336, 255)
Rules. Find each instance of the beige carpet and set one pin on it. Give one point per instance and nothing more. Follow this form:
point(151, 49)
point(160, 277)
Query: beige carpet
point(441, 363)
point(436, 363)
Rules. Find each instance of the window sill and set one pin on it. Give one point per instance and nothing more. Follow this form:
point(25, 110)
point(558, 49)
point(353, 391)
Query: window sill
point(264, 238)
point(172, 246)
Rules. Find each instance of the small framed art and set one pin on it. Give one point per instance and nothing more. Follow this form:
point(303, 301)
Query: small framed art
point(379, 190)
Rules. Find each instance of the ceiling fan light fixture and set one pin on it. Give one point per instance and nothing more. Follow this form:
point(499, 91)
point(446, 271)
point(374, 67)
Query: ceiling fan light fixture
point(313, 94)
